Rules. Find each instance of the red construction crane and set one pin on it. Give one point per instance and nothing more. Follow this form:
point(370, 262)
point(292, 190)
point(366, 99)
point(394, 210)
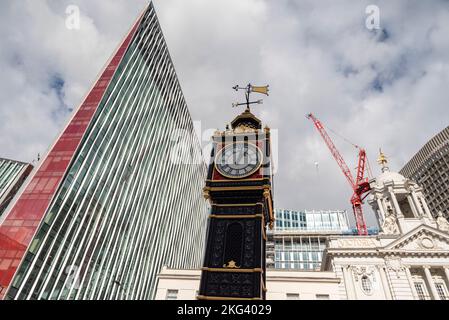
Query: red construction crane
point(359, 185)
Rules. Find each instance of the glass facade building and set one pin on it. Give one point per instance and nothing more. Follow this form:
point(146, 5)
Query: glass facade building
point(300, 252)
point(330, 220)
point(299, 238)
point(12, 175)
point(108, 206)
point(429, 167)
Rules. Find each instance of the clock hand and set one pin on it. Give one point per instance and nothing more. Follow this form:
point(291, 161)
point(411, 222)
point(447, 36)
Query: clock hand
point(230, 159)
point(241, 155)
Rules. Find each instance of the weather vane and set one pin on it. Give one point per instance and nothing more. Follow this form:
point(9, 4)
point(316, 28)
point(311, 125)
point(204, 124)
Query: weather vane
point(248, 90)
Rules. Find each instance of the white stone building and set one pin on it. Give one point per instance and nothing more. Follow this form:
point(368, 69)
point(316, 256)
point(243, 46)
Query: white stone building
point(409, 259)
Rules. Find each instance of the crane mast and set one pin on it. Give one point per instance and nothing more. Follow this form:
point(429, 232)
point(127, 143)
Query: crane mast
point(360, 185)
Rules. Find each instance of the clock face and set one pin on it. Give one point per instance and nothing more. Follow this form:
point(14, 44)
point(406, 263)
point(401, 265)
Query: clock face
point(238, 160)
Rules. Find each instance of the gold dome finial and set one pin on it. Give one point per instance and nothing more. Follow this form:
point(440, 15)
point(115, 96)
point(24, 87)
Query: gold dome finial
point(382, 160)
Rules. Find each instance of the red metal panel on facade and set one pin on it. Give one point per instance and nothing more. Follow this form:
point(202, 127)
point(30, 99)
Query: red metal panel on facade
point(19, 228)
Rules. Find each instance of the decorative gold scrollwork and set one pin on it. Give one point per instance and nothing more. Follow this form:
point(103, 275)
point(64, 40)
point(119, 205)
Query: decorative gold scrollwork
point(231, 265)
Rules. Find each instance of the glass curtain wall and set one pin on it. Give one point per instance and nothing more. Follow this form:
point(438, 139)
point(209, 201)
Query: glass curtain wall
point(124, 208)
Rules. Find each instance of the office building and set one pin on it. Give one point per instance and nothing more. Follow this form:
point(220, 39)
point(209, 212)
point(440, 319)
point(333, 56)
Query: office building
point(116, 197)
point(12, 175)
point(299, 238)
point(429, 167)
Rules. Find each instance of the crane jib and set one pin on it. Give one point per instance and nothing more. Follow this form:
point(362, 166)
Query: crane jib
point(360, 185)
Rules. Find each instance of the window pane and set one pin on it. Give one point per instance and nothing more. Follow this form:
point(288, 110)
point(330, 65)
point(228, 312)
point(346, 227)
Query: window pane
point(172, 295)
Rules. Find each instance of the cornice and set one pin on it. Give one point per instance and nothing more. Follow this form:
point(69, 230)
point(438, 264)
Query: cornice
point(179, 277)
point(300, 279)
point(381, 253)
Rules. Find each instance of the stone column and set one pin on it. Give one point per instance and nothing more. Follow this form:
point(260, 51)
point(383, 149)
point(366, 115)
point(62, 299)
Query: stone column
point(446, 272)
point(415, 198)
point(349, 285)
point(384, 205)
point(426, 207)
point(429, 280)
point(412, 205)
point(385, 284)
point(381, 208)
point(412, 285)
point(396, 204)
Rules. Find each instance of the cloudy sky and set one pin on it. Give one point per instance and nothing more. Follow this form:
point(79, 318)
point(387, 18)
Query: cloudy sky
point(383, 88)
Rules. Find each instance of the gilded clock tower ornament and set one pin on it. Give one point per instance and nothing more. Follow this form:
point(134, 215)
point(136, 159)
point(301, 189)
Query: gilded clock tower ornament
point(239, 189)
point(231, 265)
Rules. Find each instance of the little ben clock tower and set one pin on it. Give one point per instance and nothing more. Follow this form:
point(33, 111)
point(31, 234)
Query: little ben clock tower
point(239, 188)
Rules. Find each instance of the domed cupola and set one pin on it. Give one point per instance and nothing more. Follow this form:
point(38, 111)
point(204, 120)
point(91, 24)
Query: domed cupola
point(398, 202)
point(246, 120)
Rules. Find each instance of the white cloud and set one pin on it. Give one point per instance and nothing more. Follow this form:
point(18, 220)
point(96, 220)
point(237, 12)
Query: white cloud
point(36, 49)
